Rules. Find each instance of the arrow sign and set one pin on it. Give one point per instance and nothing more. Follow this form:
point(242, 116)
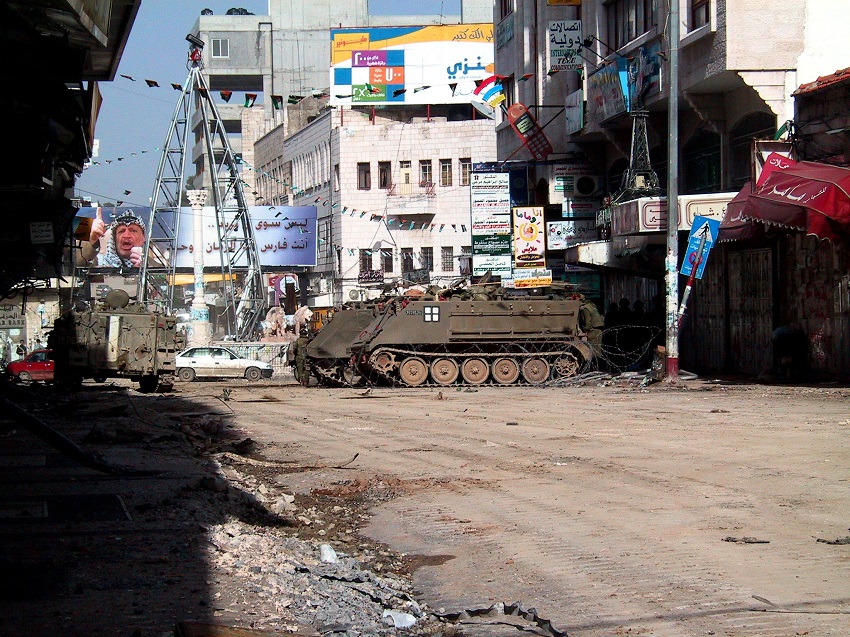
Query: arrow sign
point(704, 231)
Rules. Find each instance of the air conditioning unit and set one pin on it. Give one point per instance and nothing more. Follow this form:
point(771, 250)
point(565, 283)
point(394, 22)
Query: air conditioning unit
point(588, 186)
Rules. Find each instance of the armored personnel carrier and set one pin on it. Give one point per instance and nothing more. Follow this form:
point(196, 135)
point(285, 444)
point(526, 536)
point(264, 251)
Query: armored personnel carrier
point(116, 339)
point(463, 336)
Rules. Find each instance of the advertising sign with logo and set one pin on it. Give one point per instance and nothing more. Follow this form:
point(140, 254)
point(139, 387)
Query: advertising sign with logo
point(608, 89)
point(436, 64)
point(532, 278)
point(560, 235)
point(529, 131)
point(490, 206)
point(529, 243)
point(565, 43)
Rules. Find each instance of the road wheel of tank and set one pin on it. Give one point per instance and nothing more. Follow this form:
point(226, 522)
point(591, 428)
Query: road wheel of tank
point(566, 365)
point(475, 371)
point(186, 374)
point(535, 371)
point(444, 371)
point(253, 374)
point(383, 361)
point(148, 384)
point(352, 376)
point(413, 371)
point(24, 377)
point(505, 371)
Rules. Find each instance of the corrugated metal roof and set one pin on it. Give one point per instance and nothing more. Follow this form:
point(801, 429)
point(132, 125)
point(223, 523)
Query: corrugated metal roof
point(824, 81)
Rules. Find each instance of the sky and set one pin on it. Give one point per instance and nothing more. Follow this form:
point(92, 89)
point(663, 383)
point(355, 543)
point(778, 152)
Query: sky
point(134, 119)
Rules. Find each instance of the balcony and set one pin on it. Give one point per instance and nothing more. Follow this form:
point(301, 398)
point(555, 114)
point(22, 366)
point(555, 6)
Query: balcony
point(424, 189)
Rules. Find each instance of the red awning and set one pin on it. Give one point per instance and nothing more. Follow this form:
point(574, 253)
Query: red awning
point(808, 196)
point(734, 227)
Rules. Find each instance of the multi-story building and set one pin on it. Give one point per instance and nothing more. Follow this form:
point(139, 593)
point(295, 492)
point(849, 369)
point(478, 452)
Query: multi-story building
point(391, 188)
point(739, 63)
point(285, 53)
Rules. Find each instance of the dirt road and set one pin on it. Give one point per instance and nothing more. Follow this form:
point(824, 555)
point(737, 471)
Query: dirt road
point(701, 509)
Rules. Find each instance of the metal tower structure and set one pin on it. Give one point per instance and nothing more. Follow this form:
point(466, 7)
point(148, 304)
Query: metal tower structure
point(240, 261)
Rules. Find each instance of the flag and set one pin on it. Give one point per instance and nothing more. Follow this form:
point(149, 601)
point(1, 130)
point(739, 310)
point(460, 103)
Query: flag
point(277, 102)
point(399, 91)
point(127, 192)
point(152, 83)
point(442, 225)
point(342, 97)
point(202, 91)
point(454, 227)
point(552, 72)
point(527, 76)
point(132, 79)
point(462, 228)
point(294, 99)
point(119, 202)
point(420, 88)
point(453, 86)
point(226, 95)
point(250, 98)
point(176, 87)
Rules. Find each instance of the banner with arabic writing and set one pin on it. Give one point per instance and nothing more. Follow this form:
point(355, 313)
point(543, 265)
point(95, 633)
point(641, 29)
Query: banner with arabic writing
point(285, 236)
point(436, 64)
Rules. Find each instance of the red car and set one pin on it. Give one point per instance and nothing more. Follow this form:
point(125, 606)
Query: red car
point(37, 366)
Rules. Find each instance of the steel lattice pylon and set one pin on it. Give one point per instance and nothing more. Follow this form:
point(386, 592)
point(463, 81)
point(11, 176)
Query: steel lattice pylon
point(640, 180)
point(240, 260)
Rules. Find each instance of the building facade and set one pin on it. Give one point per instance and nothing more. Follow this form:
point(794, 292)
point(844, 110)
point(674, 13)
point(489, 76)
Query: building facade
point(286, 53)
point(392, 191)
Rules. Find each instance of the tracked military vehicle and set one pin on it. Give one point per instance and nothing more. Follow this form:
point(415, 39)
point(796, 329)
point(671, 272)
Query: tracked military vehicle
point(116, 339)
point(469, 336)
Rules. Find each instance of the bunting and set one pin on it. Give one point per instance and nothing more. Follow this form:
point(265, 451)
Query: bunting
point(277, 102)
point(152, 83)
point(226, 95)
point(177, 87)
point(250, 98)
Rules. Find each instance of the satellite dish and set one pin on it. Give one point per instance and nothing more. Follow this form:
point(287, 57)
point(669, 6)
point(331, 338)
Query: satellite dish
point(485, 109)
point(117, 298)
point(353, 295)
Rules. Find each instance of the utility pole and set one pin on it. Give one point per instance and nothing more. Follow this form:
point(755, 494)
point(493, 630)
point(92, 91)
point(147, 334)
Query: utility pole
point(671, 276)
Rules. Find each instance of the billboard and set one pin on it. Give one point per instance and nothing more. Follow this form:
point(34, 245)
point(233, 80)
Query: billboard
point(410, 65)
point(490, 204)
point(529, 246)
point(285, 236)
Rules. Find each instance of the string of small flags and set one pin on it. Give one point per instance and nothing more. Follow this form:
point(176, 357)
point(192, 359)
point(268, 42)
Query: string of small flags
point(250, 98)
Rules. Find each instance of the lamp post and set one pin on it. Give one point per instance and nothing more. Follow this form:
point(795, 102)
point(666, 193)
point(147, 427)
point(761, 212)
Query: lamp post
point(200, 313)
point(671, 275)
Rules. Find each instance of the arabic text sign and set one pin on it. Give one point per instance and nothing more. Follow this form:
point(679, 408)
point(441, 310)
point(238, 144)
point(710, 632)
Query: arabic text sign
point(410, 65)
point(565, 42)
point(529, 245)
point(490, 205)
point(702, 238)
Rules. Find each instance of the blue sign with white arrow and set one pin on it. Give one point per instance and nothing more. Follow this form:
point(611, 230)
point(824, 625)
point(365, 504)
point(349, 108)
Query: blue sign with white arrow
point(703, 235)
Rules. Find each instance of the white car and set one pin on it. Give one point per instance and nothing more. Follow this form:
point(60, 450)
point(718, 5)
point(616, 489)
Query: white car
point(219, 362)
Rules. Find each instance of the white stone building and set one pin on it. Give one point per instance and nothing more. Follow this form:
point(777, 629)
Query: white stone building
point(391, 188)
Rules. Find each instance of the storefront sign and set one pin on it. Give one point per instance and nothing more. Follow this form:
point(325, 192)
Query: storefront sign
point(574, 111)
point(565, 44)
point(608, 89)
point(529, 245)
point(10, 317)
point(490, 206)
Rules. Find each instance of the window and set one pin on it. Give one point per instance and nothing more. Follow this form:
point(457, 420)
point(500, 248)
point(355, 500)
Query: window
point(427, 259)
point(701, 163)
point(509, 88)
point(432, 314)
point(465, 170)
point(445, 172)
point(426, 176)
point(365, 260)
point(407, 259)
point(629, 19)
point(699, 14)
point(220, 48)
point(336, 177)
point(385, 174)
point(364, 176)
point(758, 125)
point(448, 258)
point(387, 259)
point(505, 7)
